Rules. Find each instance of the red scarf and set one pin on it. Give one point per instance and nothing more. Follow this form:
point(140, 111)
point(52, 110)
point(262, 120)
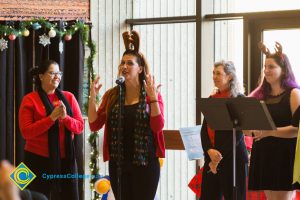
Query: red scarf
point(211, 132)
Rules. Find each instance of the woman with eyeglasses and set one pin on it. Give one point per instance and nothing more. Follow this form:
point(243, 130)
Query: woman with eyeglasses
point(217, 176)
point(48, 119)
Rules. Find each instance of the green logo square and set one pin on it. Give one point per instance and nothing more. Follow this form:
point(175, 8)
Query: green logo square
point(22, 176)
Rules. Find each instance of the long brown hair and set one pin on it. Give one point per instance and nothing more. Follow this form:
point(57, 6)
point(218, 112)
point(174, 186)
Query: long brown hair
point(113, 93)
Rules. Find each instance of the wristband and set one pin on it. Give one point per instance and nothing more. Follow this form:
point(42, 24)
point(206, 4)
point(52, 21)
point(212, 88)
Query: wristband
point(153, 101)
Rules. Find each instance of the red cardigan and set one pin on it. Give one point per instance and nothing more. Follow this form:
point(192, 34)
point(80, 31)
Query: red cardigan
point(156, 124)
point(34, 123)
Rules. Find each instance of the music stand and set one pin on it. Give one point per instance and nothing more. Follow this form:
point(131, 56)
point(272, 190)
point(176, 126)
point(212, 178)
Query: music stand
point(236, 114)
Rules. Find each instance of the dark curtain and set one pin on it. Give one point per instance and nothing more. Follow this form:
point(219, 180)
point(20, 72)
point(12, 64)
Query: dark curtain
point(15, 63)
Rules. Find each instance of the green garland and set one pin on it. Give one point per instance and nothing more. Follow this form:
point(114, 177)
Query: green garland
point(94, 136)
point(6, 30)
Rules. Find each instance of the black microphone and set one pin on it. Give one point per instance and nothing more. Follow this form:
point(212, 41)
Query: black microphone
point(120, 80)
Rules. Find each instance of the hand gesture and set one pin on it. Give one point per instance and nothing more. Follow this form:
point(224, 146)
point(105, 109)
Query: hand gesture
point(95, 87)
point(215, 155)
point(258, 135)
point(56, 113)
point(150, 87)
point(213, 167)
point(64, 110)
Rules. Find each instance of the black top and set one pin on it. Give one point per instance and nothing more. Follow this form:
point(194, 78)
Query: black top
point(280, 109)
point(129, 124)
point(272, 158)
point(128, 133)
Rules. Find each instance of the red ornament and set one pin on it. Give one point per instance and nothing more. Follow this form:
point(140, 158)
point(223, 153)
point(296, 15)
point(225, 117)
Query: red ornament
point(68, 37)
point(12, 37)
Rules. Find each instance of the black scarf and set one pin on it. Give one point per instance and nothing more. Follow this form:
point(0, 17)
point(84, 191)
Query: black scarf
point(141, 131)
point(54, 148)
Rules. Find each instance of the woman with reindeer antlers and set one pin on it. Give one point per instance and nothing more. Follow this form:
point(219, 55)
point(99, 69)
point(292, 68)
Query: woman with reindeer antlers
point(141, 141)
point(273, 152)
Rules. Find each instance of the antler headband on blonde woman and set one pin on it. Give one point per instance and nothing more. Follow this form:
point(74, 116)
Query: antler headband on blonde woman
point(131, 41)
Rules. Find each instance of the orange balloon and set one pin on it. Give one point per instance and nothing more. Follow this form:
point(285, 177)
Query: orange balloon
point(102, 186)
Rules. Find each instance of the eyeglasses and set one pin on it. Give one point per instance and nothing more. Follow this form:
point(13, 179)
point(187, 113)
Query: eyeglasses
point(53, 74)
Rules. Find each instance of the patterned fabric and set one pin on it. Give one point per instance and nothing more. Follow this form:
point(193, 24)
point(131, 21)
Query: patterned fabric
point(142, 127)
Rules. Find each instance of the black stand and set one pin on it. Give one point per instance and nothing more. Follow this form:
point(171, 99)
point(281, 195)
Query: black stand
point(119, 169)
point(236, 114)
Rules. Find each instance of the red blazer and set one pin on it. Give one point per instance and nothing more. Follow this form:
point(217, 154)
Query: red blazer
point(156, 124)
point(34, 123)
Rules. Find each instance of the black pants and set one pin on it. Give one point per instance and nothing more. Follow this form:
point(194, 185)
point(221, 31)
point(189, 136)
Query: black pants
point(137, 182)
point(215, 186)
point(40, 165)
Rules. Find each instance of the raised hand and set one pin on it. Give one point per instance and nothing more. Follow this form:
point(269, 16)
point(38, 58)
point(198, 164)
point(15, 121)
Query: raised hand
point(150, 87)
point(95, 87)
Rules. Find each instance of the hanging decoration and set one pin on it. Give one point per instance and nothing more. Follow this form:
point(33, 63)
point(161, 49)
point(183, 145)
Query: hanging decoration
point(12, 36)
point(61, 47)
point(52, 33)
point(36, 26)
point(51, 30)
point(3, 44)
point(68, 37)
point(25, 33)
point(44, 40)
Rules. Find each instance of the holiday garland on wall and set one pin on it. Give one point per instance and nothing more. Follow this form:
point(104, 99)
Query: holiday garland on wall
point(51, 30)
point(11, 32)
point(94, 136)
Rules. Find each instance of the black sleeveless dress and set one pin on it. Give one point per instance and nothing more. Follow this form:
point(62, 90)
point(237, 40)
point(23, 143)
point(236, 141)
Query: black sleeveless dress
point(272, 158)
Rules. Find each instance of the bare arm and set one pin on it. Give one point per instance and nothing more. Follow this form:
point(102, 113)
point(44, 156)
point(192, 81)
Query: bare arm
point(94, 91)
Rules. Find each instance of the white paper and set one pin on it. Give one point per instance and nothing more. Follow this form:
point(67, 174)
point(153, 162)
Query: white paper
point(192, 142)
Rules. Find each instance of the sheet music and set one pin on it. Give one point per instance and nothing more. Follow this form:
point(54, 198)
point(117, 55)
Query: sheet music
point(192, 142)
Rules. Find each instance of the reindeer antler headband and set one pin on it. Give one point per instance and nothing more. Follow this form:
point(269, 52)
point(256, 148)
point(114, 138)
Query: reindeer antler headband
point(266, 51)
point(131, 41)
